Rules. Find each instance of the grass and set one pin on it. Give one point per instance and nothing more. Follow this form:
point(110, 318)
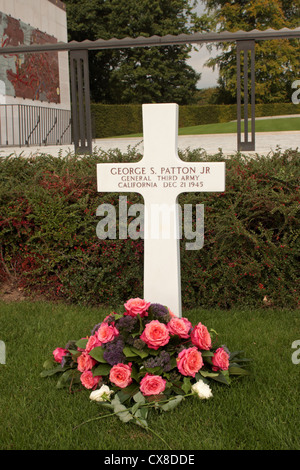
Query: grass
point(255, 413)
point(263, 125)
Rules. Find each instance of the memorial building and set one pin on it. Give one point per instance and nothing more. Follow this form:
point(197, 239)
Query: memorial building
point(34, 87)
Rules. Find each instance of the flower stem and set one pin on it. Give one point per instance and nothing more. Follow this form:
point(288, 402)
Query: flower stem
point(157, 435)
point(153, 405)
point(111, 414)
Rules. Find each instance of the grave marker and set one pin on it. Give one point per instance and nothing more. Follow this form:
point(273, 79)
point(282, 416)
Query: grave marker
point(160, 177)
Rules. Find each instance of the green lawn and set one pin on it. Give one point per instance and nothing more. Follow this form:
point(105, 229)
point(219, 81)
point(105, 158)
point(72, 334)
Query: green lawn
point(264, 125)
point(256, 412)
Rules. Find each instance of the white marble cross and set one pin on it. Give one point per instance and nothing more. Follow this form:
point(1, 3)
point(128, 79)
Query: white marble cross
point(160, 177)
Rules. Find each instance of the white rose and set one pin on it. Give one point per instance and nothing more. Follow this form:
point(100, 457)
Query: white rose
point(102, 394)
point(202, 390)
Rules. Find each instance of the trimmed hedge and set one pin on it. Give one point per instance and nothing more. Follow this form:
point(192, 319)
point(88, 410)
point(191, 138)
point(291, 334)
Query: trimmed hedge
point(111, 120)
point(251, 250)
point(114, 120)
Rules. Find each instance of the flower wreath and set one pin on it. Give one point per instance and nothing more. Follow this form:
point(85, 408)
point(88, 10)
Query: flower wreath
point(145, 358)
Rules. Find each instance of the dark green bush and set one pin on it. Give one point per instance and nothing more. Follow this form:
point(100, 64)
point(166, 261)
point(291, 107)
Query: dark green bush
point(49, 243)
point(251, 246)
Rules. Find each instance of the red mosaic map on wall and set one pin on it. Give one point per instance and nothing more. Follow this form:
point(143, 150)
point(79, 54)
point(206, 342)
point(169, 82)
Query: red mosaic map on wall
point(34, 76)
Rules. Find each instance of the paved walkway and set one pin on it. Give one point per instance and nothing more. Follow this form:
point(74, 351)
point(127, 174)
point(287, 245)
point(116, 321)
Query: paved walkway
point(266, 142)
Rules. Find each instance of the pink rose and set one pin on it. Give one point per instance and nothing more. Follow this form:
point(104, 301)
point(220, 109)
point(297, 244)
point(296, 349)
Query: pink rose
point(200, 337)
point(155, 334)
point(189, 361)
point(85, 362)
point(220, 360)
point(152, 385)
point(120, 375)
point(106, 332)
point(92, 343)
point(179, 326)
point(88, 380)
point(137, 306)
point(59, 353)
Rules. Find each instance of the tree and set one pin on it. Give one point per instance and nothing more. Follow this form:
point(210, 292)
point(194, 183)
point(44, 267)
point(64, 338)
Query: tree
point(146, 74)
point(277, 61)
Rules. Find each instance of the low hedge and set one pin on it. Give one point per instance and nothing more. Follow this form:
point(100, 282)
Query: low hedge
point(49, 243)
point(114, 120)
point(111, 120)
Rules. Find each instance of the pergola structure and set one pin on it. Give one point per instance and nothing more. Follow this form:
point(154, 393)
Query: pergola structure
point(80, 90)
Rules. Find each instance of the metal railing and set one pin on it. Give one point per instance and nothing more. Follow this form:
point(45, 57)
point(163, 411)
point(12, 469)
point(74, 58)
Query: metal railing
point(26, 125)
point(244, 39)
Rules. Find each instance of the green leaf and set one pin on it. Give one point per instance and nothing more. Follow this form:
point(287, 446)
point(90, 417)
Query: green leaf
point(173, 362)
point(154, 370)
point(234, 354)
point(208, 360)
point(170, 405)
point(101, 369)
point(143, 412)
point(139, 398)
point(238, 371)
point(139, 352)
point(186, 387)
point(207, 353)
point(74, 352)
point(48, 373)
point(222, 377)
point(81, 343)
point(154, 352)
point(131, 351)
point(97, 353)
point(122, 396)
point(123, 413)
point(131, 390)
point(140, 420)
point(49, 364)
point(134, 335)
point(121, 410)
point(127, 351)
point(65, 379)
point(141, 323)
point(134, 373)
point(135, 408)
point(209, 374)
point(127, 393)
point(198, 377)
point(116, 400)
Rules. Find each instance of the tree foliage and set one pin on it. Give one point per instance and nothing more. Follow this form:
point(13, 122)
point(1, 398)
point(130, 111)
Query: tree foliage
point(136, 75)
point(277, 61)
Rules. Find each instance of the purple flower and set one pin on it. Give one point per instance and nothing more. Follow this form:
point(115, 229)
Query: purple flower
point(159, 310)
point(127, 323)
point(113, 353)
